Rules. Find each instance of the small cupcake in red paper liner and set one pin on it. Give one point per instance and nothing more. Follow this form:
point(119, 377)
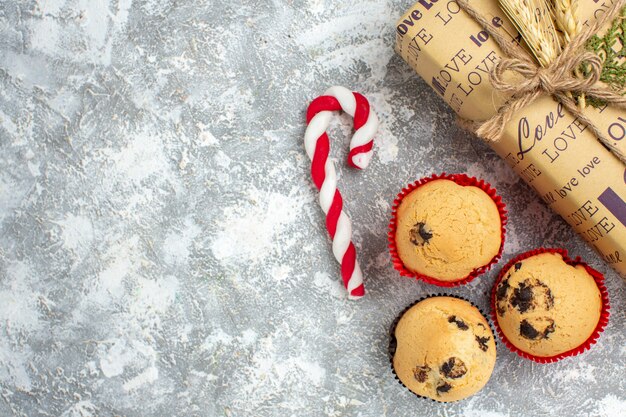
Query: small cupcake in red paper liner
point(547, 306)
point(442, 348)
point(446, 229)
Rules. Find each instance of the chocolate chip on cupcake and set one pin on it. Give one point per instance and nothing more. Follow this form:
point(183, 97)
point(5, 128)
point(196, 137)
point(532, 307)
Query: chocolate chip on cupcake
point(445, 229)
point(545, 306)
point(443, 348)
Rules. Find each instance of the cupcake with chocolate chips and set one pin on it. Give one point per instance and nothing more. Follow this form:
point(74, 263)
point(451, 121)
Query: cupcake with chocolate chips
point(446, 229)
point(442, 348)
point(548, 306)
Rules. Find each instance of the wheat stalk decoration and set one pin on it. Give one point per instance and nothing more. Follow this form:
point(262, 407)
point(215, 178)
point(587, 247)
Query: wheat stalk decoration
point(567, 18)
point(533, 19)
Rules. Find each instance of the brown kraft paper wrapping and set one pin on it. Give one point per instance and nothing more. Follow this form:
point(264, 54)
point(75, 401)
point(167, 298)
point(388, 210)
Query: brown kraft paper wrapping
point(556, 155)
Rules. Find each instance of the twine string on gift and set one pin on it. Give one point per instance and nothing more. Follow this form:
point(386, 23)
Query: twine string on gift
point(557, 79)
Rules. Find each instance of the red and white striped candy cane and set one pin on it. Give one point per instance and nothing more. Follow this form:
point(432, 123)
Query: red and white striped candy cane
point(324, 176)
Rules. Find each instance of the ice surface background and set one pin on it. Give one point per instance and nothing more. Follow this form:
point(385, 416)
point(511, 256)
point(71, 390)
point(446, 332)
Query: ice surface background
point(162, 251)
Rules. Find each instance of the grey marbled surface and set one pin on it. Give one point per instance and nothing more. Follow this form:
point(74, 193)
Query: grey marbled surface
point(161, 248)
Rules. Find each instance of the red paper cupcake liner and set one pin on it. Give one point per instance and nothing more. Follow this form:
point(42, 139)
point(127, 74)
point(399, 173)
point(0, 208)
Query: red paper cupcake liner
point(604, 313)
point(460, 179)
point(393, 343)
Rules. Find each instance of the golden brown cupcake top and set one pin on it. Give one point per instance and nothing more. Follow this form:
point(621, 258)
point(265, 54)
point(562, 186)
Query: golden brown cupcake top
point(445, 349)
point(445, 230)
point(546, 307)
